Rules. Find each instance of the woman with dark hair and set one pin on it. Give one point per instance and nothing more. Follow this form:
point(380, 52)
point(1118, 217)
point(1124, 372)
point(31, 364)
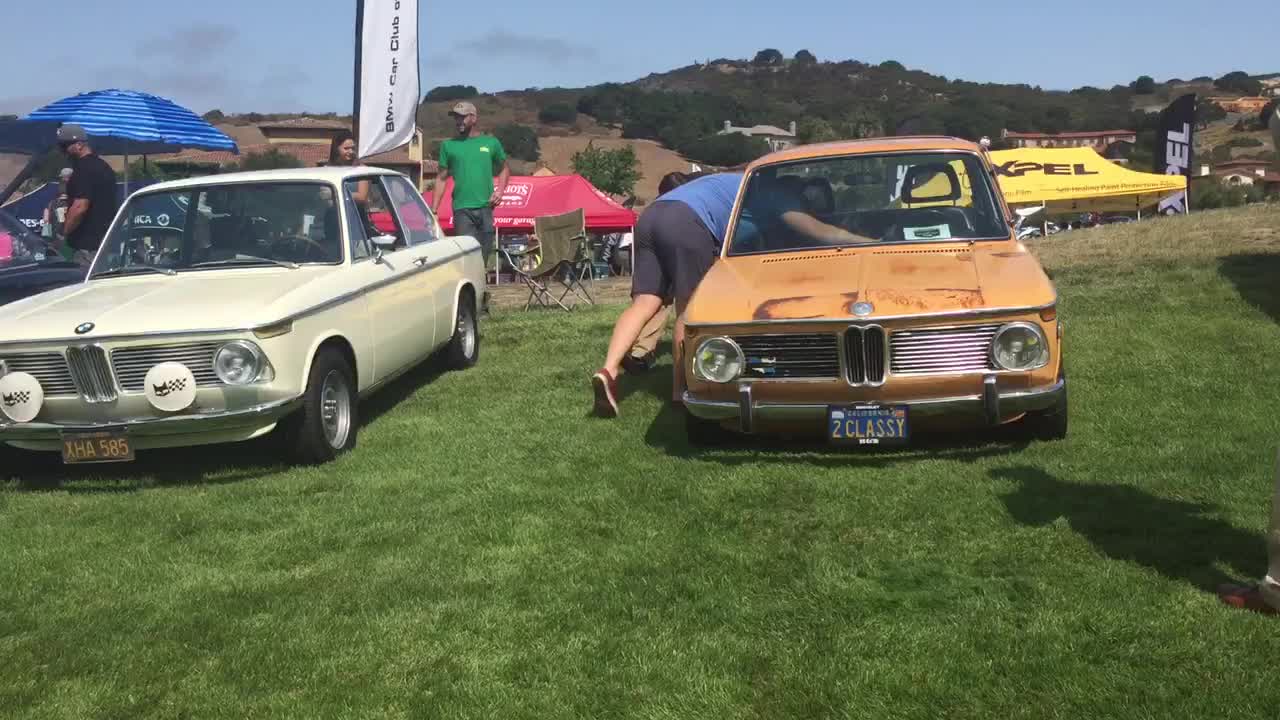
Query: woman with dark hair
point(342, 151)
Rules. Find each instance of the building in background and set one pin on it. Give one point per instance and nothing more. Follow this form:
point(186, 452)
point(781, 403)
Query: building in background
point(777, 138)
point(1099, 140)
point(308, 140)
point(1244, 105)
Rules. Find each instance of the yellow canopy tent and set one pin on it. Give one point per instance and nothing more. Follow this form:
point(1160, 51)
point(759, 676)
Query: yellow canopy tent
point(1067, 179)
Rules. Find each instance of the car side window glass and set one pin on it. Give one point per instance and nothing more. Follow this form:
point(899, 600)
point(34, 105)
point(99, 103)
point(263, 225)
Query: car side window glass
point(374, 210)
point(359, 239)
point(412, 209)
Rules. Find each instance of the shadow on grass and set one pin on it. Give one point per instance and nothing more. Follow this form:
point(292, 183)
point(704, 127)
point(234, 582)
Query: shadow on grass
point(1180, 540)
point(201, 465)
point(198, 465)
point(1257, 279)
point(667, 433)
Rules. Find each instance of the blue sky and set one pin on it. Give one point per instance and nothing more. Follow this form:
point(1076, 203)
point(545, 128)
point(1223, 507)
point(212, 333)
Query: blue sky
point(277, 56)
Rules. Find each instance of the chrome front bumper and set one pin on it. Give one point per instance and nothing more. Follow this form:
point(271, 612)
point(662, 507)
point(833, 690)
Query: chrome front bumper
point(184, 424)
point(991, 405)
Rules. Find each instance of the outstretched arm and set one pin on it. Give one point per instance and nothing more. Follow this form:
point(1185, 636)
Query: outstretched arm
point(807, 224)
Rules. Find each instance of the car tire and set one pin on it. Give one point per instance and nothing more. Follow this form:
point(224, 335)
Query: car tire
point(704, 433)
point(327, 423)
point(463, 350)
point(1048, 424)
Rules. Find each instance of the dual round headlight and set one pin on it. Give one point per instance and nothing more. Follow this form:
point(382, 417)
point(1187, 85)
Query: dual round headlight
point(719, 360)
point(241, 362)
point(1020, 346)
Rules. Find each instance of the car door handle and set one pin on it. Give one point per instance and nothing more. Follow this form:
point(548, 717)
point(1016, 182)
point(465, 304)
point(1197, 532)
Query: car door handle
point(421, 261)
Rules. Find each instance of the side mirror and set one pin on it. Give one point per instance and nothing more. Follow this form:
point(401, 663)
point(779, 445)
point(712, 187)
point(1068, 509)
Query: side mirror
point(383, 241)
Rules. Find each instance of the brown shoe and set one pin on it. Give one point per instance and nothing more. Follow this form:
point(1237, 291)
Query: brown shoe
point(1245, 597)
point(606, 390)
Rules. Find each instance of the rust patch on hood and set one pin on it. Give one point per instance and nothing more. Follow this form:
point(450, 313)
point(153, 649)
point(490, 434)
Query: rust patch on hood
point(774, 309)
point(965, 298)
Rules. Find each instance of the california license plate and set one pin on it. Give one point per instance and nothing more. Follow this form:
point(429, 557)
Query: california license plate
point(99, 447)
point(877, 425)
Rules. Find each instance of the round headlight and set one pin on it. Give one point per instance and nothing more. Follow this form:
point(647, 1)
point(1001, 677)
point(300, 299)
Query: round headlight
point(1020, 346)
point(718, 360)
point(238, 363)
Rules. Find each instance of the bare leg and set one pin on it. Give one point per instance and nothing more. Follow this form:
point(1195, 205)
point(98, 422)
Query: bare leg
point(651, 335)
point(1270, 586)
point(677, 354)
point(628, 328)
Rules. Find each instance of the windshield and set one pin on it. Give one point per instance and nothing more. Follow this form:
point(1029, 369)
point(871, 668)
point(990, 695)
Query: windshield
point(18, 245)
point(240, 225)
point(861, 199)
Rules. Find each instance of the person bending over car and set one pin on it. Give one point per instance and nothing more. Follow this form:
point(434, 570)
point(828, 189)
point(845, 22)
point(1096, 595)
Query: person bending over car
point(677, 239)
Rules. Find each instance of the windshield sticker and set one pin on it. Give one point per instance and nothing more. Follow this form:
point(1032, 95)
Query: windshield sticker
point(932, 232)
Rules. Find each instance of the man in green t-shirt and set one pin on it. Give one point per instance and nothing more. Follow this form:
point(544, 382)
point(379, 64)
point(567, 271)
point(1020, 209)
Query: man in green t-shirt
point(472, 160)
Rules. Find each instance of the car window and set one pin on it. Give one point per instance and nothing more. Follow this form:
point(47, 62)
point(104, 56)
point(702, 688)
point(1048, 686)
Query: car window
point(358, 238)
point(375, 209)
point(18, 245)
point(235, 224)
point(412, 209)
point(888, 198)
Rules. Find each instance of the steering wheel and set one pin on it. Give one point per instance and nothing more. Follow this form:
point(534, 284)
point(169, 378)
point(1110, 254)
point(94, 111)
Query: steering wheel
point(312, 243)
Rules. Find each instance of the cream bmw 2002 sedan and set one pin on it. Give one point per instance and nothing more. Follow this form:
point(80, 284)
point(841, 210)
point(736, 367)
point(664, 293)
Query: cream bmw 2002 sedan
point(219, 308)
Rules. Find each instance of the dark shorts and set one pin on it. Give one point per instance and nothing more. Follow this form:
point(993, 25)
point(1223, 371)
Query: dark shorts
point(476, 223)
point(674, 250)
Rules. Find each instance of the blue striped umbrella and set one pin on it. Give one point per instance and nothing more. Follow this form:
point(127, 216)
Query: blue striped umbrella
point(124, 121)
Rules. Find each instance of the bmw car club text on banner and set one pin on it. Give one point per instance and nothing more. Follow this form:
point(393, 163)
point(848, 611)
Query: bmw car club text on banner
point(388, 74)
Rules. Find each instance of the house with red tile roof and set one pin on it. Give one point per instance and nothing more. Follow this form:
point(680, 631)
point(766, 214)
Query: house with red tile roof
point(308, 140)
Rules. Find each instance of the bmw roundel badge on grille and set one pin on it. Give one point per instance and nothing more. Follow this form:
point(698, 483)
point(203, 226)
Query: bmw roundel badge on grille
point(83, 328)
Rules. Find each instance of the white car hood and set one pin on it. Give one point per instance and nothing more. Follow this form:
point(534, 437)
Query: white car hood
point(191, 301)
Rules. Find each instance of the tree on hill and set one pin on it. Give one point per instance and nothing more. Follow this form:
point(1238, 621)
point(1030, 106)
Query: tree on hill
point(1207, 112)
point(804, 57)
point(726, 150)
point(271, 159)
point(450, 93)
point(605, 103)
point(613, 171)
point(1240, 82)
point(1144, 85)
point(815, 130)
point(768, 56)
point(214, 116)
point(893, 65)
point(558, 113)
point(1202, 79)
point(520, 141)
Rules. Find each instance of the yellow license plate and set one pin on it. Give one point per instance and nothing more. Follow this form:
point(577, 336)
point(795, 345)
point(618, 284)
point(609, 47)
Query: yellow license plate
point(102, 447)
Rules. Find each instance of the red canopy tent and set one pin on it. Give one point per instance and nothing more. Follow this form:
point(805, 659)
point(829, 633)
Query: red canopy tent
point(529, 197)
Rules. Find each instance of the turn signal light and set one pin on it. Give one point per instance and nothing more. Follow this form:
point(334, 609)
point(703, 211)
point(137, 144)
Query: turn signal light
point(1049, 314)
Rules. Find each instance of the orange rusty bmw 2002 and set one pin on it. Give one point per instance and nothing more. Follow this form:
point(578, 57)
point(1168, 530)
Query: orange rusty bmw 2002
point(868, 290)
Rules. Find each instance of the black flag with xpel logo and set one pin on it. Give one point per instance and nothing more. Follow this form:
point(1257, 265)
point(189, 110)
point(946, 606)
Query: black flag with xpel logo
point(1175, 149)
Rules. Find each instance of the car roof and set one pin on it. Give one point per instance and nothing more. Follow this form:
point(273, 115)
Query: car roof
point(323, 174)
point(906, 143)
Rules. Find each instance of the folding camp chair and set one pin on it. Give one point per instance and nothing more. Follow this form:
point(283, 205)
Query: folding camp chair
point(562, 243)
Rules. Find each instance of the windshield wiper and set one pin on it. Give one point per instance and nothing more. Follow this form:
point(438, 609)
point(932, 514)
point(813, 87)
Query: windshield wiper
point(132, 269)
point(243, 259)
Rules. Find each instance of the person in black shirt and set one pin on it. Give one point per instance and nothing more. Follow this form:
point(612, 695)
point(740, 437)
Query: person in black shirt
point(92, 192)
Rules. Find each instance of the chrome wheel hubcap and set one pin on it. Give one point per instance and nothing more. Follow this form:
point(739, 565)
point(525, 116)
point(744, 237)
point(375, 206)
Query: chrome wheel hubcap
point(467, 331)
point(335, 409)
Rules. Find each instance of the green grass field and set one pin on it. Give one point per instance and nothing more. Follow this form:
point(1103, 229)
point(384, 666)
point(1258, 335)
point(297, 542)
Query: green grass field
point(489, 550)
